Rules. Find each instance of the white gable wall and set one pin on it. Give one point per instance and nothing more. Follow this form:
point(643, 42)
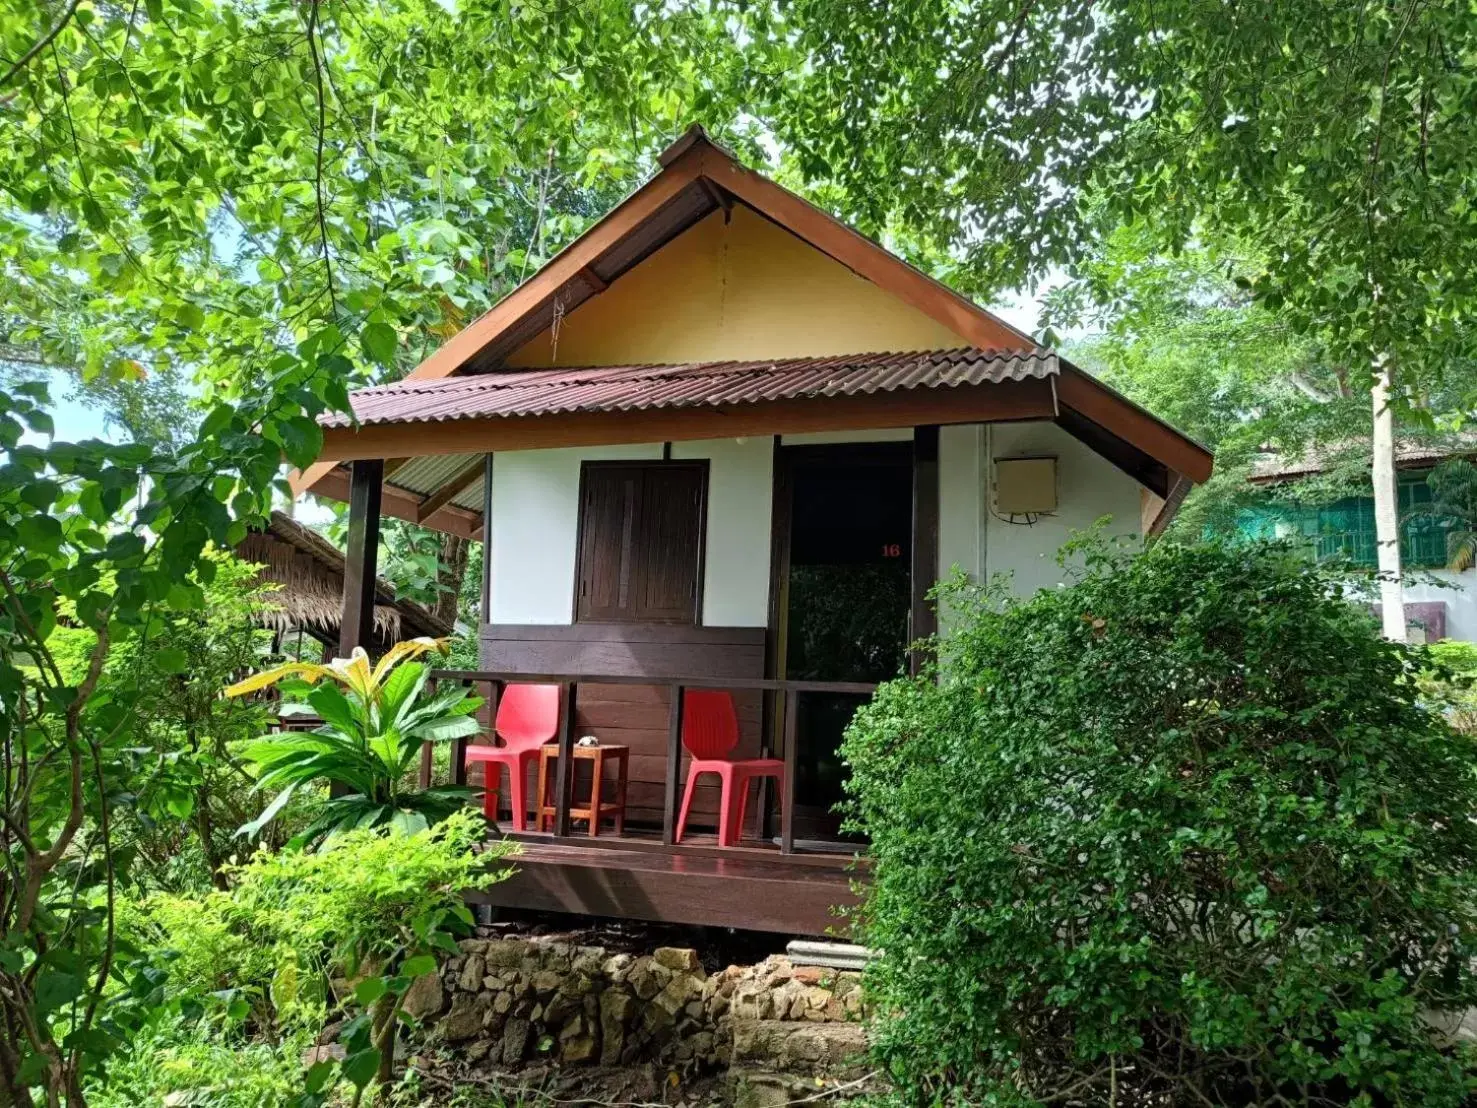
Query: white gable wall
point(535, 518)
point(1088, 488)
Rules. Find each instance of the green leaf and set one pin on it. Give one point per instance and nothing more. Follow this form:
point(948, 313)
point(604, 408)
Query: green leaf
point(190, 316)
point(171, 659)
point(254, 828)
point(362, 1067)
point(369, 990)
point(54, 989)
point(39, 534)
point(379, 341)
point(419, 966)
point(318, 1076)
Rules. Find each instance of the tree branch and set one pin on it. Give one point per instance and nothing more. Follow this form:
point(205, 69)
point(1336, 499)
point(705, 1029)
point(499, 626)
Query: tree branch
point(40, 44)
point(318, 169)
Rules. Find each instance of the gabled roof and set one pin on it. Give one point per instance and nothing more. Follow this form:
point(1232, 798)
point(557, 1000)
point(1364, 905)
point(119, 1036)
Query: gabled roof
point(696, 179)
point(1409, 454)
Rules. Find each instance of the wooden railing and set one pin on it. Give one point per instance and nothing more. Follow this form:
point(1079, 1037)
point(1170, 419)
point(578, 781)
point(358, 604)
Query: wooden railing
point(568, 700)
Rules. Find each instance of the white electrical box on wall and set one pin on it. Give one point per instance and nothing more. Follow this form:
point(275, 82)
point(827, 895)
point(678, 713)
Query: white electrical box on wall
point(1025, 486)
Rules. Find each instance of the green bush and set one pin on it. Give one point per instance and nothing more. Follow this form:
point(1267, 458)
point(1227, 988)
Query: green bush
point(1451, 682)
point(346, 928)
point(376, 718)
point(1182, 832)
point(184, 1063)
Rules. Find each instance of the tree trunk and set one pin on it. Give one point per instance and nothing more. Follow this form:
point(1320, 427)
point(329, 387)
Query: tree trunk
point(450, 571)
point(1386, 505)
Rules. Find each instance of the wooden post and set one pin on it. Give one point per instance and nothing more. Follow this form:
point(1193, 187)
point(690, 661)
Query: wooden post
point(674, 765)
point(361, 562)
point(564, 772)
point(486, 543)
point(777, 634)
point(428, 750)
point(787, 796)
point(459, 756)
point(924, 564)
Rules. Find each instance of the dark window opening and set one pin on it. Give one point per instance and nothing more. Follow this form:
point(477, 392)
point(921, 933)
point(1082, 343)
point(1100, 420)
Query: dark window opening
point(641, 542)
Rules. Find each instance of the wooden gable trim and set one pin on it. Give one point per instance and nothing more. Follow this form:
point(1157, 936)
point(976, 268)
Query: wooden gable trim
point(402, 504)
point(558, 272)
point(1169, 508)
point(1116, 413)
point(439, 498)
point(694, 159)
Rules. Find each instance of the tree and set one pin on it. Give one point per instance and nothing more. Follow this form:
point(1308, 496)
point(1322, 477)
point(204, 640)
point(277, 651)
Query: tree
point(110, 540)
point(1179, 335)
point(266, 203)
point(1336, 140)
point(230, 178)
point(191, 790)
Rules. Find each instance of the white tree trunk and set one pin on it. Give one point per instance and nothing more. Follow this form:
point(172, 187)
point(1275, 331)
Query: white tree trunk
point(1387, 507)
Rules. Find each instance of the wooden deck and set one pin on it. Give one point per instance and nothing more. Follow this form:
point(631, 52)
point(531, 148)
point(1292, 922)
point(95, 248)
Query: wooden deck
point(752, 888)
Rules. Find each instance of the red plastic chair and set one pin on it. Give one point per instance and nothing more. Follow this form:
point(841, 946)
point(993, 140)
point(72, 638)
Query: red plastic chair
point(710, 731)
point(527, 717)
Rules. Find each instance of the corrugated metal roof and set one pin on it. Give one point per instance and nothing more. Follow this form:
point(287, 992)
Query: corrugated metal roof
point(424, 476)
point(695, 384)
point(470, 497)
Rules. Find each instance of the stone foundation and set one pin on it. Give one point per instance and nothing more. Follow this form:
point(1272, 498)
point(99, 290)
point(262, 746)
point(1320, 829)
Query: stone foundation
point(505, 1003)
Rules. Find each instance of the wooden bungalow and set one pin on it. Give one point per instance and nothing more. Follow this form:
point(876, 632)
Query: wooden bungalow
point(305, 610)
point(722, 441)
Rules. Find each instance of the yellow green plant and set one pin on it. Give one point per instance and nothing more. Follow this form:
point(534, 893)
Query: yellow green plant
point(375, 719)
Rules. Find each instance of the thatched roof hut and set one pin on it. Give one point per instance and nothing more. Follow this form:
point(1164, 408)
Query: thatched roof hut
point(310, 572)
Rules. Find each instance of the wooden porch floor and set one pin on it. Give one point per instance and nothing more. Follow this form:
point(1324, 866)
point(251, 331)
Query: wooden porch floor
point(750, 887)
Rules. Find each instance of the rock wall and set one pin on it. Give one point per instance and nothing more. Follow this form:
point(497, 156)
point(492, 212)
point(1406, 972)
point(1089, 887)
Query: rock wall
point(508, 1002)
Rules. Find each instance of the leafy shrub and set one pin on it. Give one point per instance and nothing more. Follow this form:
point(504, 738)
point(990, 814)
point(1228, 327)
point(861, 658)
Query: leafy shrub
point(375, 720)
point(1451, 682)
point(191, 791)
point(1183, 832)
point(179, 1061)
point(349, 926)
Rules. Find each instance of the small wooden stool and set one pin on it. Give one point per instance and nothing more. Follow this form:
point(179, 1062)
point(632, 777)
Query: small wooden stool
point(597, 808)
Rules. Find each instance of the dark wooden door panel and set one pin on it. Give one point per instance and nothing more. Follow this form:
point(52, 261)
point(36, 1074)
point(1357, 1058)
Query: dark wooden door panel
point(641, 542)
point(669, 544)
point(607, 538)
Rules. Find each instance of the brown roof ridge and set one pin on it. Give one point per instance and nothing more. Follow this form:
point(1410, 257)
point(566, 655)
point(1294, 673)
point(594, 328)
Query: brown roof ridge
point(577, 374)
point(697, 384)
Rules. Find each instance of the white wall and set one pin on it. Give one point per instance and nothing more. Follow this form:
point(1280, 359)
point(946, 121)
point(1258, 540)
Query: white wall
point(1089, 487)
point(962, 474)
point(535, 519)
point(736, 570)
point(535, 528)
point(1460, 600)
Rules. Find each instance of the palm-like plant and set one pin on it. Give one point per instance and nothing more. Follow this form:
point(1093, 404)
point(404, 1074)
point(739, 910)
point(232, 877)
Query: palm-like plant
point(374, 722)
point(1453, 506)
